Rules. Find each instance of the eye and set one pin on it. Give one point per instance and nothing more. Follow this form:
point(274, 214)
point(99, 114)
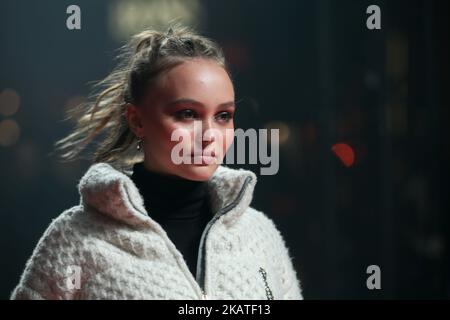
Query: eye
point(186, 114)
point(224, 116)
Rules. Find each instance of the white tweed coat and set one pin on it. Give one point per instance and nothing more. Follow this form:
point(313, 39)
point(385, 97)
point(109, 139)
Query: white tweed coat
point(108, 247)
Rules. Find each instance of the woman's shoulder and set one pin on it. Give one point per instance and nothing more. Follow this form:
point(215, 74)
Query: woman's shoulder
point(64, 219)
point(61, 246)
point(62, 228)
point(72, 226)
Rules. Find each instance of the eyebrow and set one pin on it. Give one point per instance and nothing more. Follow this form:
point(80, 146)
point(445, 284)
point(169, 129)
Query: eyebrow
point(192, 101)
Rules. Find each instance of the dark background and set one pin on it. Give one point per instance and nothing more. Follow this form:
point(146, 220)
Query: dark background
point(311, 68)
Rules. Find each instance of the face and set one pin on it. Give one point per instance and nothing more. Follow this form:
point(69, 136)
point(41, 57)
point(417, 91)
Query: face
point(186, 120)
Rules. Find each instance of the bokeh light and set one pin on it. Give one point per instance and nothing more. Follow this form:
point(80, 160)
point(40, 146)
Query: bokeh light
point(9, 132)
point(9, 102)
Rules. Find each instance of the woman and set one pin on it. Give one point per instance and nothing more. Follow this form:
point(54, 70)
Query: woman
point(164, 229)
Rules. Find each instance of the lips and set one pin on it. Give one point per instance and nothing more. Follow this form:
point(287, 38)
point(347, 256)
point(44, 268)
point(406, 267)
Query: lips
point(203, 160)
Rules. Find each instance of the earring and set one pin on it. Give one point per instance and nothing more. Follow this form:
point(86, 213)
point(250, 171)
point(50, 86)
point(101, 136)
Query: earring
point(139, 144)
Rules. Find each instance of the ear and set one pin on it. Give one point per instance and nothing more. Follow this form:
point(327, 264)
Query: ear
point(134, 119)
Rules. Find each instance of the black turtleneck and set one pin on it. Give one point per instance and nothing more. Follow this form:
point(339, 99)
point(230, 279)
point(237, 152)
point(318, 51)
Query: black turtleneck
point(179, 205)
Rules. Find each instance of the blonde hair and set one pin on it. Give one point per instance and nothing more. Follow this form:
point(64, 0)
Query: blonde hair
point(141, 60)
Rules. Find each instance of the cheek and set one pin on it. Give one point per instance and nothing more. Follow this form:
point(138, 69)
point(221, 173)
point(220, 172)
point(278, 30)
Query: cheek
point(228, 137)
point(188, 138)
point(160, 135)
point(176, 135)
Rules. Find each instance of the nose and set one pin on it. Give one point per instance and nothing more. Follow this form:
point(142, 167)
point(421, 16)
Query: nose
point(208, 133)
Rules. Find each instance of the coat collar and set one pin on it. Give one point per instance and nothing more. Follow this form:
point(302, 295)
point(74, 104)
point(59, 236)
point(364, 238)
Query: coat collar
point(111, 192)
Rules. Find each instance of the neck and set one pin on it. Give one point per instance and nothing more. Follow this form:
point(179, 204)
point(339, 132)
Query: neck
point(167, 196)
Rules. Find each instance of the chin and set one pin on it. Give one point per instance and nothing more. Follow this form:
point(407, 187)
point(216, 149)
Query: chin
point(198, 172)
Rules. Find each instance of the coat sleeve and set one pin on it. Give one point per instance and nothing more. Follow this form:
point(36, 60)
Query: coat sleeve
point(290, 278)
point(292, 289)
point(48, 273)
